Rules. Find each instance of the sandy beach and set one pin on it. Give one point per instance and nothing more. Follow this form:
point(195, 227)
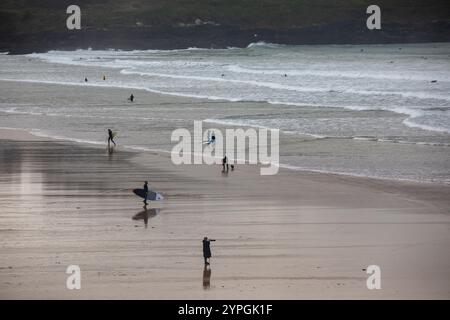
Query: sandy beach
point(327, 123)
point(295, 235)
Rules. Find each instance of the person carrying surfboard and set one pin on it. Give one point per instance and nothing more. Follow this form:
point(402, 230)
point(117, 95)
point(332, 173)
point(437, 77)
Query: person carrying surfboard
point(110, 137)
point(207, 249)
point(145, 192)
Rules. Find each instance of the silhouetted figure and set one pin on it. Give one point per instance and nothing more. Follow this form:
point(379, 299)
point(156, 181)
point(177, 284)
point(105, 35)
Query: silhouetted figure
point(85, 80)
point(131, 98)
point(145, 192)
point(232, 167)
point(207, 249)
point(104, 77)
point(206, 277)
point(110, 138)
point(225, 164)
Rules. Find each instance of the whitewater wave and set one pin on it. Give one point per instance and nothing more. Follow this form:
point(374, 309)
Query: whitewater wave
point(263, 44)
point(413, 113)
point(245, 123)
point(331, 74)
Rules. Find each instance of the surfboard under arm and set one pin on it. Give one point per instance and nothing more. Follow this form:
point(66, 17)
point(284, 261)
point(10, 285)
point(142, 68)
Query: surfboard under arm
point(151, 195)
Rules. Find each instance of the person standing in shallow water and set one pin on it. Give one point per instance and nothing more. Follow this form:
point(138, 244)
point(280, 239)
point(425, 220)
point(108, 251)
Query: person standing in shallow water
point(207, 249)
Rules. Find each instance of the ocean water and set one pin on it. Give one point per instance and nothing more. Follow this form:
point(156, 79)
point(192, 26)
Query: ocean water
point(371, 110)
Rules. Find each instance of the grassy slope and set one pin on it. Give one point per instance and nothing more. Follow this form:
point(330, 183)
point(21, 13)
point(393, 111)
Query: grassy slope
point(27, 16)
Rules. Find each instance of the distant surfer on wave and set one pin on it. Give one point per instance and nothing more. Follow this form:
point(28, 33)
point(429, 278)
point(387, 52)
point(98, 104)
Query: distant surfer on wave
point(110, 138)
point(211, 138)
point(131, 98)
point(207, 249)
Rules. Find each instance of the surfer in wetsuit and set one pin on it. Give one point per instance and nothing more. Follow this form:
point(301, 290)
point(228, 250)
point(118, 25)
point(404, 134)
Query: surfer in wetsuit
point(110, 137)
point(224, 162)
point(207, 249)
point(131, 98)
point(145, 192)
point(212, 139)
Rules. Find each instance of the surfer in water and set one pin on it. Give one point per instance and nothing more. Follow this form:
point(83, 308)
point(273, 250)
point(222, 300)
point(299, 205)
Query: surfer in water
point(131, 98)
point(110, 138)
point(145, 192)
point(211, 138)
point(207, 249)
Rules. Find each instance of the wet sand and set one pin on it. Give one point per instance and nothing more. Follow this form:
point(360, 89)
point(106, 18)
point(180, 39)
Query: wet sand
point(296, 235)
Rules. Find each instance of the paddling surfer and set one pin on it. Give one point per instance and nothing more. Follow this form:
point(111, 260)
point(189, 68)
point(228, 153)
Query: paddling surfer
point(207, 249)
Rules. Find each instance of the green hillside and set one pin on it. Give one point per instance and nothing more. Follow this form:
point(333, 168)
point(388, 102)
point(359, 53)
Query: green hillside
point(29, 16)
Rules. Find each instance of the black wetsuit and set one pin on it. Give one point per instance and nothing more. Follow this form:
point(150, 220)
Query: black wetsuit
point(110, 137)
point(145, 192)
point(206, 250)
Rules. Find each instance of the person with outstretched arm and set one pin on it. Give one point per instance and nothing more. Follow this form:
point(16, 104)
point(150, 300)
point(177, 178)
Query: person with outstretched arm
point(110, 137)
point(207, 249)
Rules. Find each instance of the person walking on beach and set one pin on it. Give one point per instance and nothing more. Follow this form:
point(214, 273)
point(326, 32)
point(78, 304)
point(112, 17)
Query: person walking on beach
point(145, 192)
point(110, 138)
point(207, 249)
point(224, 163)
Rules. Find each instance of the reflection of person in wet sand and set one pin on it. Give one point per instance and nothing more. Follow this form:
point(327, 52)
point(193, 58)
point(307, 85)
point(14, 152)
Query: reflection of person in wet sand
point(145, 215)
point(206, 277)
point(207, 249)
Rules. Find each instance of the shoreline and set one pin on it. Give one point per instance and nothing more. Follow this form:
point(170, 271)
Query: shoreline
point(15, 134)
point(179, 98)
point(163, 154)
